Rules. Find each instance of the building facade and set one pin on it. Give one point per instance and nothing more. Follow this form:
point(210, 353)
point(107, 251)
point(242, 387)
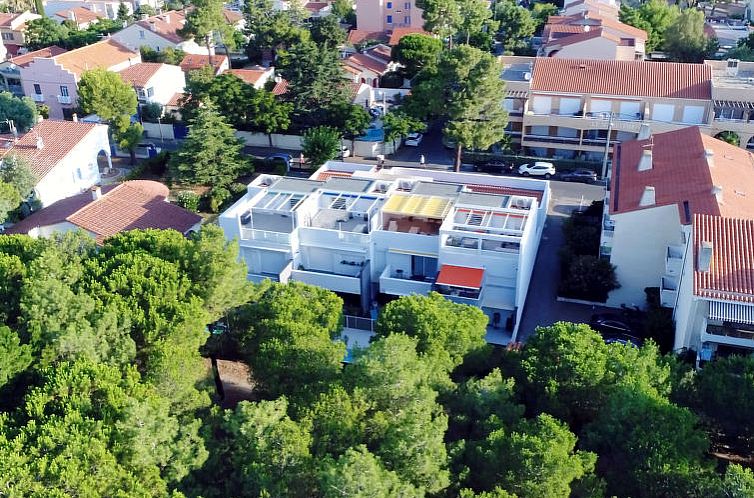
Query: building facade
point(376, 235)
point(154, 82)
point(382, 15)
point(158, 33)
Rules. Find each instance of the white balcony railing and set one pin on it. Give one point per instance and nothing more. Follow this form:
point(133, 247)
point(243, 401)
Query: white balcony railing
point(674, 260)
point(64, 99)
point(38, 97)
point(668, 291)
point(398, 284)
point(266, 236)
point(337, 283)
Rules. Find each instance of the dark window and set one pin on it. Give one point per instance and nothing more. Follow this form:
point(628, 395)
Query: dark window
point(686, 211)
point(390, 19)
point(422, 266)
point(37, 89)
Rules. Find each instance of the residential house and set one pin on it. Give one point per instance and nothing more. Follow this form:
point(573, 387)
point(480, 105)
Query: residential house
point(373, 235)
point(318, 9)
point(384, 15)
point(256, 77)
point(64, 157)
point(154, 82)
point(106, 211)
point(80, 16)
point(12, 28)
point(369, 66)
point(158, 33)
point(53, 81)
point(10, 70)
point(605, 7)
point(589, 35)
point(733, 99)
point(235, 18)
point(658, 185)
point(192, 62)
point(397, 33)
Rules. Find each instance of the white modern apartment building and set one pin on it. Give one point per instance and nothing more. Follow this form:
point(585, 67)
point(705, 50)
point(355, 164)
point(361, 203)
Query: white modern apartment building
point(380, 234)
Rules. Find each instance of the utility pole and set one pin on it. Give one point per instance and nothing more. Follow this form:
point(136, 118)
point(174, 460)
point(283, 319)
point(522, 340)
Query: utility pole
point(607, 146)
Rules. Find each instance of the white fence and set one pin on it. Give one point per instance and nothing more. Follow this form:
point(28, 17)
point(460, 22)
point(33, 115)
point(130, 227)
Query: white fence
point(361, 148)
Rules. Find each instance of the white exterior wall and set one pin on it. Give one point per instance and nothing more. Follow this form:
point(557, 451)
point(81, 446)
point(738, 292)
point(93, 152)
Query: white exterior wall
point(166, 82)
point(687, 314)
point(596, 48)
point(639, 244)
point(77, 171)
point(136, 36)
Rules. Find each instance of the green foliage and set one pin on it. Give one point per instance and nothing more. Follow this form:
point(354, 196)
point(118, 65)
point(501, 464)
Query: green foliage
point(654, 17)
point(730, 137)
point(446, 331)
point(105, 94)
point(685, 40)
point(352, 120)
point(44, 32)
point(211, 153)
point(22, 111)
point(128, 136)
point(415, 52)
point(441, 17)
point(14, 356)
point(269, 30)
point(397, 124)
point(188, 200)
point(476, 24)
point(123, 14)
point(321, 144)
point(516, 24)
point(151, 112)
point(169, 55)
point(327, 31)
point(541, 11)
point(343, 10)
point(16, 171)
point(205, 21)
point(359, 474)
point(589, 278)
point(9, 199)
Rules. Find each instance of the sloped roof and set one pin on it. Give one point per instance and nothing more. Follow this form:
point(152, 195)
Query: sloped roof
point(398, 33)
point(630, 78)
point(731, 273)
point(140, 74)
point(176, 99)
point(136, 204)
point(280, 88)
point(25, 59)
point(165, 25)
point(460, 276)
point(198, 61)
point(103, 54)
point(363, 61)
point(58, 138)
point(682, 174)
point(359, 35)
point(231, 16)
point(249, 76)
point(80, 14)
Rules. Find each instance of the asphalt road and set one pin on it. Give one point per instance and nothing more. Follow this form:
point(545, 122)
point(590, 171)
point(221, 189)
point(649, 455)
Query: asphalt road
point(541, 306)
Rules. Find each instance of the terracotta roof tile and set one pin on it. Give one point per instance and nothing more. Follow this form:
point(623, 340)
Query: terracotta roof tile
point(315, 7)
point(325, 175)
point(231, 16)
point(493, 189)
point(398, 33)
point(382, 52)
point(176, 100)
point(140, 74)
point(631, 78)
point(280, 88)
point(363, 61)
point(166, 25)
point(731, 273)
point(137, 204)
point(198, 61)
point(359, 35)
point(25, 59)
point(681, 173)
point(581, 37)
point(104, 54)
point(250, 76)
point(80, 14)
point(58, 138)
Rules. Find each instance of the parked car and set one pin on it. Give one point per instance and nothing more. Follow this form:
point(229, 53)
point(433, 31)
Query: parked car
point(146, 149)
point(625, 339)
point(499, 167)
point(344, 152)
point(413, 139)
point(540, 168)
point(579, 175)
point(608, 323)
point(375, 112)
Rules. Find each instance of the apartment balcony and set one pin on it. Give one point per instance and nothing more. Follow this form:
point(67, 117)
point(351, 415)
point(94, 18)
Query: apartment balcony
point(38, 97)
point(64, 99)
point(472, 297)
point(674, 260)
point(730, 333)
point(268, 236)
point(334, 238)
point(398, 283)
point(328, 280)
point(668, 291)
point(590, 121)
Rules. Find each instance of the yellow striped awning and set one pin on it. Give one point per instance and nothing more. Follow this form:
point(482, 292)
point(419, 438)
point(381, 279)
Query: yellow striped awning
point(418, 205)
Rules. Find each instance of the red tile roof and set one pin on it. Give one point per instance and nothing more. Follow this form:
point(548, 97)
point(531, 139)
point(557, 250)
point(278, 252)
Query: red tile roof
point(176, 100)
point(250, 76)
point(198, 61)
point(80, 15)
point(363, 61)
point(166, 25)
point(140, 74)
point(137, 204)
point(25, 59)
point(333, 173)
point(104, 54)
point(59, 138)
point(398, 33)
point(731, 273)
point(359, 35)
point(631, 78)
point(681, 173)
point(382, 52)
point(7, 18)
point(584, 36)
point(494, 189)
point(315, 7)
point(231, 16)
point(280, 88)
point(460, 276)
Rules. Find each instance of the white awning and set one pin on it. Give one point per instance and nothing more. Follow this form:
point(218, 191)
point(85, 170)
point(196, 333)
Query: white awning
point(730, 312)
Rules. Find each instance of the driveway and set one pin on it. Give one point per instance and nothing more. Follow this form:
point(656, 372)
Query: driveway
point(541, 306)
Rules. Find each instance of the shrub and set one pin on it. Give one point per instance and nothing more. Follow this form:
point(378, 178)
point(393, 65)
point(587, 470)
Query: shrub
point(393, 79)
point(589, 278)
point(216, 197)
point(158, 164)
point(188, 200)
point(151, 112)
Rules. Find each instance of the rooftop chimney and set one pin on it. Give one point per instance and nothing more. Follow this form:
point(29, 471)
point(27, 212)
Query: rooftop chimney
point(96, 193)
point(647, 197)
point(717, 191)
point(72, 15)
point(645, 162)
point(40, 143)
point(152, 26)
point(709, 155)
point(75, 117)
point(704, 256)
point(167, 18)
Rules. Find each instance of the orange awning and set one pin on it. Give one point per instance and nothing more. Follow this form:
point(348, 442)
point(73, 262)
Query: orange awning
point(460, 276)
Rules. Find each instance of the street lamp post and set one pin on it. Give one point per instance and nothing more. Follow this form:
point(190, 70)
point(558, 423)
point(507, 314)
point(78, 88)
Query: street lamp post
point(607, 145)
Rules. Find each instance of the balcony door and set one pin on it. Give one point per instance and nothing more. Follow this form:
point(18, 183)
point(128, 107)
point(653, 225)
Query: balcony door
point(423, 267)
